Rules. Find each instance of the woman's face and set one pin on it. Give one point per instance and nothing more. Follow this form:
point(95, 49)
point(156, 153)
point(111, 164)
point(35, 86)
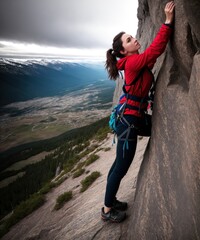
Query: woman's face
point(130, 45)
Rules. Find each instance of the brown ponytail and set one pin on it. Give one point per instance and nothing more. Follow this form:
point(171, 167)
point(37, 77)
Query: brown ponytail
point(112, 55)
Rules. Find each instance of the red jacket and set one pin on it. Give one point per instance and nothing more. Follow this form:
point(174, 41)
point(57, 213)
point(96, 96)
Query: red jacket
point(133, 64)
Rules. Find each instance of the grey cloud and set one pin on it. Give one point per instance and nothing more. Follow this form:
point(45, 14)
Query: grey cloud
point(66, 23)
point(2, 45)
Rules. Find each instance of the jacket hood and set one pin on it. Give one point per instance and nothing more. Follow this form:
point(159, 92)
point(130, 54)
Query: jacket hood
point(121, 63)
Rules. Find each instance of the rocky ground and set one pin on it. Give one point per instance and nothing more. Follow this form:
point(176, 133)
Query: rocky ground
point(79, 219)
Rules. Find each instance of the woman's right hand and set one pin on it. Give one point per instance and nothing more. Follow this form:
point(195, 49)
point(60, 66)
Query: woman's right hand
point(169, 12)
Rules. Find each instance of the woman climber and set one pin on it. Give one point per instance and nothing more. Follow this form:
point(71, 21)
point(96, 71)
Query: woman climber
point(124, 56)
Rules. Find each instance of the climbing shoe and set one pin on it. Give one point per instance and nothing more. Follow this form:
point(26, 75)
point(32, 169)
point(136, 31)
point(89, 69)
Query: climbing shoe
point(120, 206)
point(113, 215)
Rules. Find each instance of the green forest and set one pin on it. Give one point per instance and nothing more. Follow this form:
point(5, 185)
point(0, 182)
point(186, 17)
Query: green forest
point(67, 149)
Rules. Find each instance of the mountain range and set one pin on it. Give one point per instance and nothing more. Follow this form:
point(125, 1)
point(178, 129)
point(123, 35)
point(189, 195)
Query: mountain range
point(42, 98)
point(22, 80)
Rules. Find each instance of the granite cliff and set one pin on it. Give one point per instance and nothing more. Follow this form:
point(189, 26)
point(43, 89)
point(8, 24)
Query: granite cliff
point(166, 204)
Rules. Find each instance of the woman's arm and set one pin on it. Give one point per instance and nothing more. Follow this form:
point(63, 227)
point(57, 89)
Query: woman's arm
point(149, 56)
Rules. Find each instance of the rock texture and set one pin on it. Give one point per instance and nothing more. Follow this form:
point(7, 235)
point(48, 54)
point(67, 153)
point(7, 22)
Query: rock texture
point(167, 199)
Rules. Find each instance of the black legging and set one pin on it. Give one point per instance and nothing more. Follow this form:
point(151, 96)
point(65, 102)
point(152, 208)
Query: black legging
point(124, 158)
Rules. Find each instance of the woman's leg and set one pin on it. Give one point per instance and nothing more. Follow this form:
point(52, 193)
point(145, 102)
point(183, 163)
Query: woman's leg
point(124, 158)
point(111, 169)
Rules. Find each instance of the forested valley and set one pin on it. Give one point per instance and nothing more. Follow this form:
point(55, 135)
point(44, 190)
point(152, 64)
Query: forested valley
point(30, 189)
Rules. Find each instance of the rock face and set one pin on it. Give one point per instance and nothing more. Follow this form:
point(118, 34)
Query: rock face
point(167, 199)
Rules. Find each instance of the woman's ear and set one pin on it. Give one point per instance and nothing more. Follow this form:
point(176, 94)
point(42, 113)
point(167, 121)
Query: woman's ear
point(123, 52)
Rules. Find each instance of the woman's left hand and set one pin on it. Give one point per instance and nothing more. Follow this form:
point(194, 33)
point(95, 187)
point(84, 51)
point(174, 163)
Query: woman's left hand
point(169, 12)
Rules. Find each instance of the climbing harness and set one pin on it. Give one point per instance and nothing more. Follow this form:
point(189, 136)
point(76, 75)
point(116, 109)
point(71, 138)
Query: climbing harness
point(117, 113)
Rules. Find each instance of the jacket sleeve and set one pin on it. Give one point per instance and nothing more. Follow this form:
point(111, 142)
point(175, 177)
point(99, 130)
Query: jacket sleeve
point(149, 56)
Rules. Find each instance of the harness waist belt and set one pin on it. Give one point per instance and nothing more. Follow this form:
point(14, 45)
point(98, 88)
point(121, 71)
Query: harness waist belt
point(135, 98)
point(134, 107)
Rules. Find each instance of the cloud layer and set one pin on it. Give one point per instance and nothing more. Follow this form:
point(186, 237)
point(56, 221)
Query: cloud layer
point(66, 23)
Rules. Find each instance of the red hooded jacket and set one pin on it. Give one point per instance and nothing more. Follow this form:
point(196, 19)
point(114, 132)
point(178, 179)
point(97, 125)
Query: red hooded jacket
point(133, 64)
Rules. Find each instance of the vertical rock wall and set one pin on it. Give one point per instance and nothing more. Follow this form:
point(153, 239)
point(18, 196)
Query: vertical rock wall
point(167, 200)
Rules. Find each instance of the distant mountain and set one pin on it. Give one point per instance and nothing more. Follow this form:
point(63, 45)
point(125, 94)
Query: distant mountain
point(28, 79)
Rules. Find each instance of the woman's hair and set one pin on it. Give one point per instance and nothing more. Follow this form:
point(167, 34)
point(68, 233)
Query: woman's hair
point(111, 56)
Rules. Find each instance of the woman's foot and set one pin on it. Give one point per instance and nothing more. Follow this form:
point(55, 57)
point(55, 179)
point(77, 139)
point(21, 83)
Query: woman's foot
point(113, 215)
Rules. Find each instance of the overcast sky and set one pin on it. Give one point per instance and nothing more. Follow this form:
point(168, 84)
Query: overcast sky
point(63, 27)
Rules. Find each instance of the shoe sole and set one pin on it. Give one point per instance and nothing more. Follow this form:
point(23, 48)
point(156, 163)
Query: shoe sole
point(112, 220)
